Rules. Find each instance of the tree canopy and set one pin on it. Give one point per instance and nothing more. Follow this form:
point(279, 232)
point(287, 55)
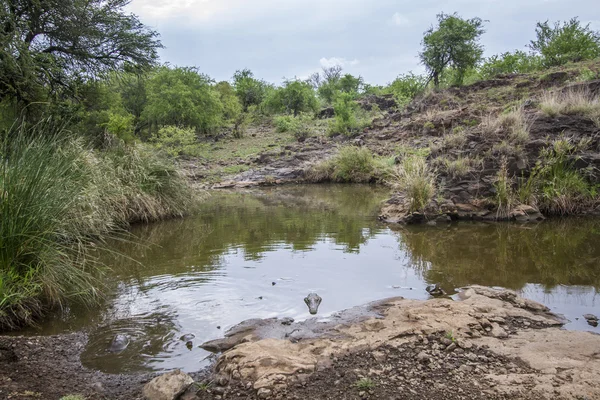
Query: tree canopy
point(46, 45)
point(454, 43)
point(570, 41)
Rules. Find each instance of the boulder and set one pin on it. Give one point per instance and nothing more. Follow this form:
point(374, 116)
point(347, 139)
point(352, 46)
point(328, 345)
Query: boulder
point(168, 386)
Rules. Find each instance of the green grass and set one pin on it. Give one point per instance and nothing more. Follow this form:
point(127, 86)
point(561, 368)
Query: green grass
point(571, 102)
point(365, 384)
point(56, 196)
point(73, 397)
point(505, 197)
point(351, 164)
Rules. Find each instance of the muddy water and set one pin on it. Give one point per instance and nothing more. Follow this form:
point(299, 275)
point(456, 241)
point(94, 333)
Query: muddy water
point(257, 254)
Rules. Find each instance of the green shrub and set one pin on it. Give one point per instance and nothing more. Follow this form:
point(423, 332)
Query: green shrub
point(121, 125)
point(569, 42)
point(560, 188)
point(417, 180)
point(173, 140)
point(346, 121)
point(294, 97)
point(365, 384)
point(351, 164)
point(518, 62)
point(300, 126)
point(587, 74)
point(406, 87)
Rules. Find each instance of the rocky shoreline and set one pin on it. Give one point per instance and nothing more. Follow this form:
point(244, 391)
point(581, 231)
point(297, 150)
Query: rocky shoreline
point(484, 344)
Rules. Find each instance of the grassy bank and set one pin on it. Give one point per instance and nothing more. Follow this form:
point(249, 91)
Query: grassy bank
point(57, 196)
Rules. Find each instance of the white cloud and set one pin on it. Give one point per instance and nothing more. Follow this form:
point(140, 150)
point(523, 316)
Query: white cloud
point(400, 20)
point(333, 61)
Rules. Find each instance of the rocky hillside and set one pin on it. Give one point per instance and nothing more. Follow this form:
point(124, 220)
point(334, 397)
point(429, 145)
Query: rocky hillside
point(517, 146)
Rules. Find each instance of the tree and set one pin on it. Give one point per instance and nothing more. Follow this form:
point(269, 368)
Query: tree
point(454, 43)
point(232, 107)
point(351, 84)
point(46, 45)
point(294, 97)
point(250, 90)
point(561, 44)
point(182, 97)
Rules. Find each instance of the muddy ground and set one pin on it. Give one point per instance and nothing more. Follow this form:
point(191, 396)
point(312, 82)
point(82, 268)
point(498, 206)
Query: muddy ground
point(486, 344)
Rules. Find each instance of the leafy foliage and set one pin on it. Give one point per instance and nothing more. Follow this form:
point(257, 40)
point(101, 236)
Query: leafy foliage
point(407, 86)
point(182, 97)
point(454, 43)
point(569, 42)
point(510, 63)
point(293, 97)
point(250, 90)
point(48, 45)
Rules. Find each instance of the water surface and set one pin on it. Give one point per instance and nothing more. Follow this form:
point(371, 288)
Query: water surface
point(256, 254)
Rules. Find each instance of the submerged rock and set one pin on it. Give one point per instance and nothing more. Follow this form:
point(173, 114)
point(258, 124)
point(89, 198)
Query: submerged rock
point(119, 343)
point(187, 337)
point(168, 386)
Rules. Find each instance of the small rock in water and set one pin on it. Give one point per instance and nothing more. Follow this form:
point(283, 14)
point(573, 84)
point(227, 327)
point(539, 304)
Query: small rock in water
point(187, 337)
point(119, 343)
point(259, 297)
point(273, 283)
point(168, 386)
point(591, 319)
point(189, 344)
point(218, 326)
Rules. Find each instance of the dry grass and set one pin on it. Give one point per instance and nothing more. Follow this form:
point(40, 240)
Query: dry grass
point(571, 102)
point(417, 180)
point(459, 167)
point(514, 126)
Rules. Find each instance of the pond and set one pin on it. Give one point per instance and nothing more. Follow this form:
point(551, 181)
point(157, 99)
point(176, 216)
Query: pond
point(258, 253)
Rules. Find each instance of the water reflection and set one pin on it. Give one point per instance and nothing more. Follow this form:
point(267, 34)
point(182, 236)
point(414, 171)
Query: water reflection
point(204, 274)
point(557, 252)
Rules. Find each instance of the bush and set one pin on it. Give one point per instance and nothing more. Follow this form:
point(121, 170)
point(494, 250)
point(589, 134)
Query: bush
point(250, 91)
point(569, 42)
point(559, 188)
point(518, 62)
point(406, 87)
point(182, 97)
point(350, 164)
point(416, 179)
point(299, 126)
point(293, 97)
point(346, 120)
point(173, 140)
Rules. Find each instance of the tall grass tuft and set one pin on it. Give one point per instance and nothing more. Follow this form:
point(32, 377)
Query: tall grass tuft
point(56, 196)
point(43, 260)
point(571, 102)
point(505, 196)
point(417, 180)
point(351, 164)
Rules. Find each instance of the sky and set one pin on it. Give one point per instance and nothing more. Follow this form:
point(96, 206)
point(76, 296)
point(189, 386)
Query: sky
point(377, 39)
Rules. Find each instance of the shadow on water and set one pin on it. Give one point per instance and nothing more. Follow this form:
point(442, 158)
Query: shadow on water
point(256, 254)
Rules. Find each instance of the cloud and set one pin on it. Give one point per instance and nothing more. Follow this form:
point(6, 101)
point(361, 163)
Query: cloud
point(400, 20)
point(333, 61)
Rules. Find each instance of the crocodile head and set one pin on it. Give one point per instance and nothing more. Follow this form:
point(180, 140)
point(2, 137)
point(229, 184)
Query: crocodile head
point(313, 301)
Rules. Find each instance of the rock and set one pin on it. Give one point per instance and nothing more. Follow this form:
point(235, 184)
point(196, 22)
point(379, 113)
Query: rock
point(263, 393)
point(168, 386)
point(498, 332)
point(451, 347)
point(287, 321)
point(591, 319)
point(119, 343)
point(187, 337)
